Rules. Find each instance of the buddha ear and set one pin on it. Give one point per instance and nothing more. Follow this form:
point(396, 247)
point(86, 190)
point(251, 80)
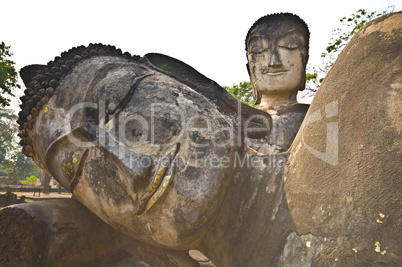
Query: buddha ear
point(256, 94)
point(28, 72)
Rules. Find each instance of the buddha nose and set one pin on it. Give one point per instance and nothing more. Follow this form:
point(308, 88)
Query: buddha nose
point(274, 60)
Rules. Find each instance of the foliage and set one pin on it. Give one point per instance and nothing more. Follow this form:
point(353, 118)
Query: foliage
point(32, 180)
point(22, 166)
point(8, 130)
point(342, 36)
point(13, 163)
point(8, 75)
point(242, 91)
point(6, 167)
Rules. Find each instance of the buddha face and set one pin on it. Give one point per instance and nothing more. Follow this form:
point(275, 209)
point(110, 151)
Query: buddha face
point(277, 57)
point(138, 148)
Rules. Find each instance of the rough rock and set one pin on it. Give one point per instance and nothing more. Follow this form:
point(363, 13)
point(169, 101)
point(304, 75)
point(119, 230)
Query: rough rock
point(343, 176)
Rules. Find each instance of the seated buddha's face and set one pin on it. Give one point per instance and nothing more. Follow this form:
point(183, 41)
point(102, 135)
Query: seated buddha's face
point(277, 56)
point(144, 152)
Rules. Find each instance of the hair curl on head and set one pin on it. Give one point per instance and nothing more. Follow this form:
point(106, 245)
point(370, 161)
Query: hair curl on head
point(278, 17)
point(42, 80)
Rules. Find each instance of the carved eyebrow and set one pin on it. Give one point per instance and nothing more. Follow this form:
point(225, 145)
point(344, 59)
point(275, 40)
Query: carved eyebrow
point(122, 104)
point(287, 34)
point(256, 36)
point(274, 38)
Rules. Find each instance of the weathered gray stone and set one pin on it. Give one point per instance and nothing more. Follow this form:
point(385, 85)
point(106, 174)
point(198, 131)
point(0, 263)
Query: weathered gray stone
point(343, 177)
point(63, 232)
point(286, 122)
point(139, 147)
point(155, 129)
point(277, 54)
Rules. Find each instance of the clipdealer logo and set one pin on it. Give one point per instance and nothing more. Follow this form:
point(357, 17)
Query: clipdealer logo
point(331, 153)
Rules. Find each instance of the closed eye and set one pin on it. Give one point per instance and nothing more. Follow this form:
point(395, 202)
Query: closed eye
point(290, 46)
point(258, 52)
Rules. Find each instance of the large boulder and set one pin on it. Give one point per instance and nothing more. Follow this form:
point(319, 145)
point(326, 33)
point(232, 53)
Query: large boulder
point(343, 177)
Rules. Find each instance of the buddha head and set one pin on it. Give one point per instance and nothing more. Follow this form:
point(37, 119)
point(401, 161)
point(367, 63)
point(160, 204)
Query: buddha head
point(277, 53)
point(145, 152)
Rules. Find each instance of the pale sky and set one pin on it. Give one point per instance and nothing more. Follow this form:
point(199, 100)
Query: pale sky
point(208, 35)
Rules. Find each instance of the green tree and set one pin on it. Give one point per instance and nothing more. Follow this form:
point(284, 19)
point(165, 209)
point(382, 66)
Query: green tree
point(32, 180)
point(22, 166)
point(13, 163)
point(242, 91)
point(6, 166)
point(8, 75)
point(342, 35)
point(8, 133)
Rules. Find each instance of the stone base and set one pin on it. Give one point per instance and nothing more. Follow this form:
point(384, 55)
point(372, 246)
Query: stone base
point(62, 232)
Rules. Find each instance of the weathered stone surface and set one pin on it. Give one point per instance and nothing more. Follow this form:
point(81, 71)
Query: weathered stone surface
point(343, 177)
point(286, 122)
point(55, 233)
point(9, 198)
point(146, 142)
point(277, 54)
point(253, 224)
point(63, 232)
point(136, 145)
